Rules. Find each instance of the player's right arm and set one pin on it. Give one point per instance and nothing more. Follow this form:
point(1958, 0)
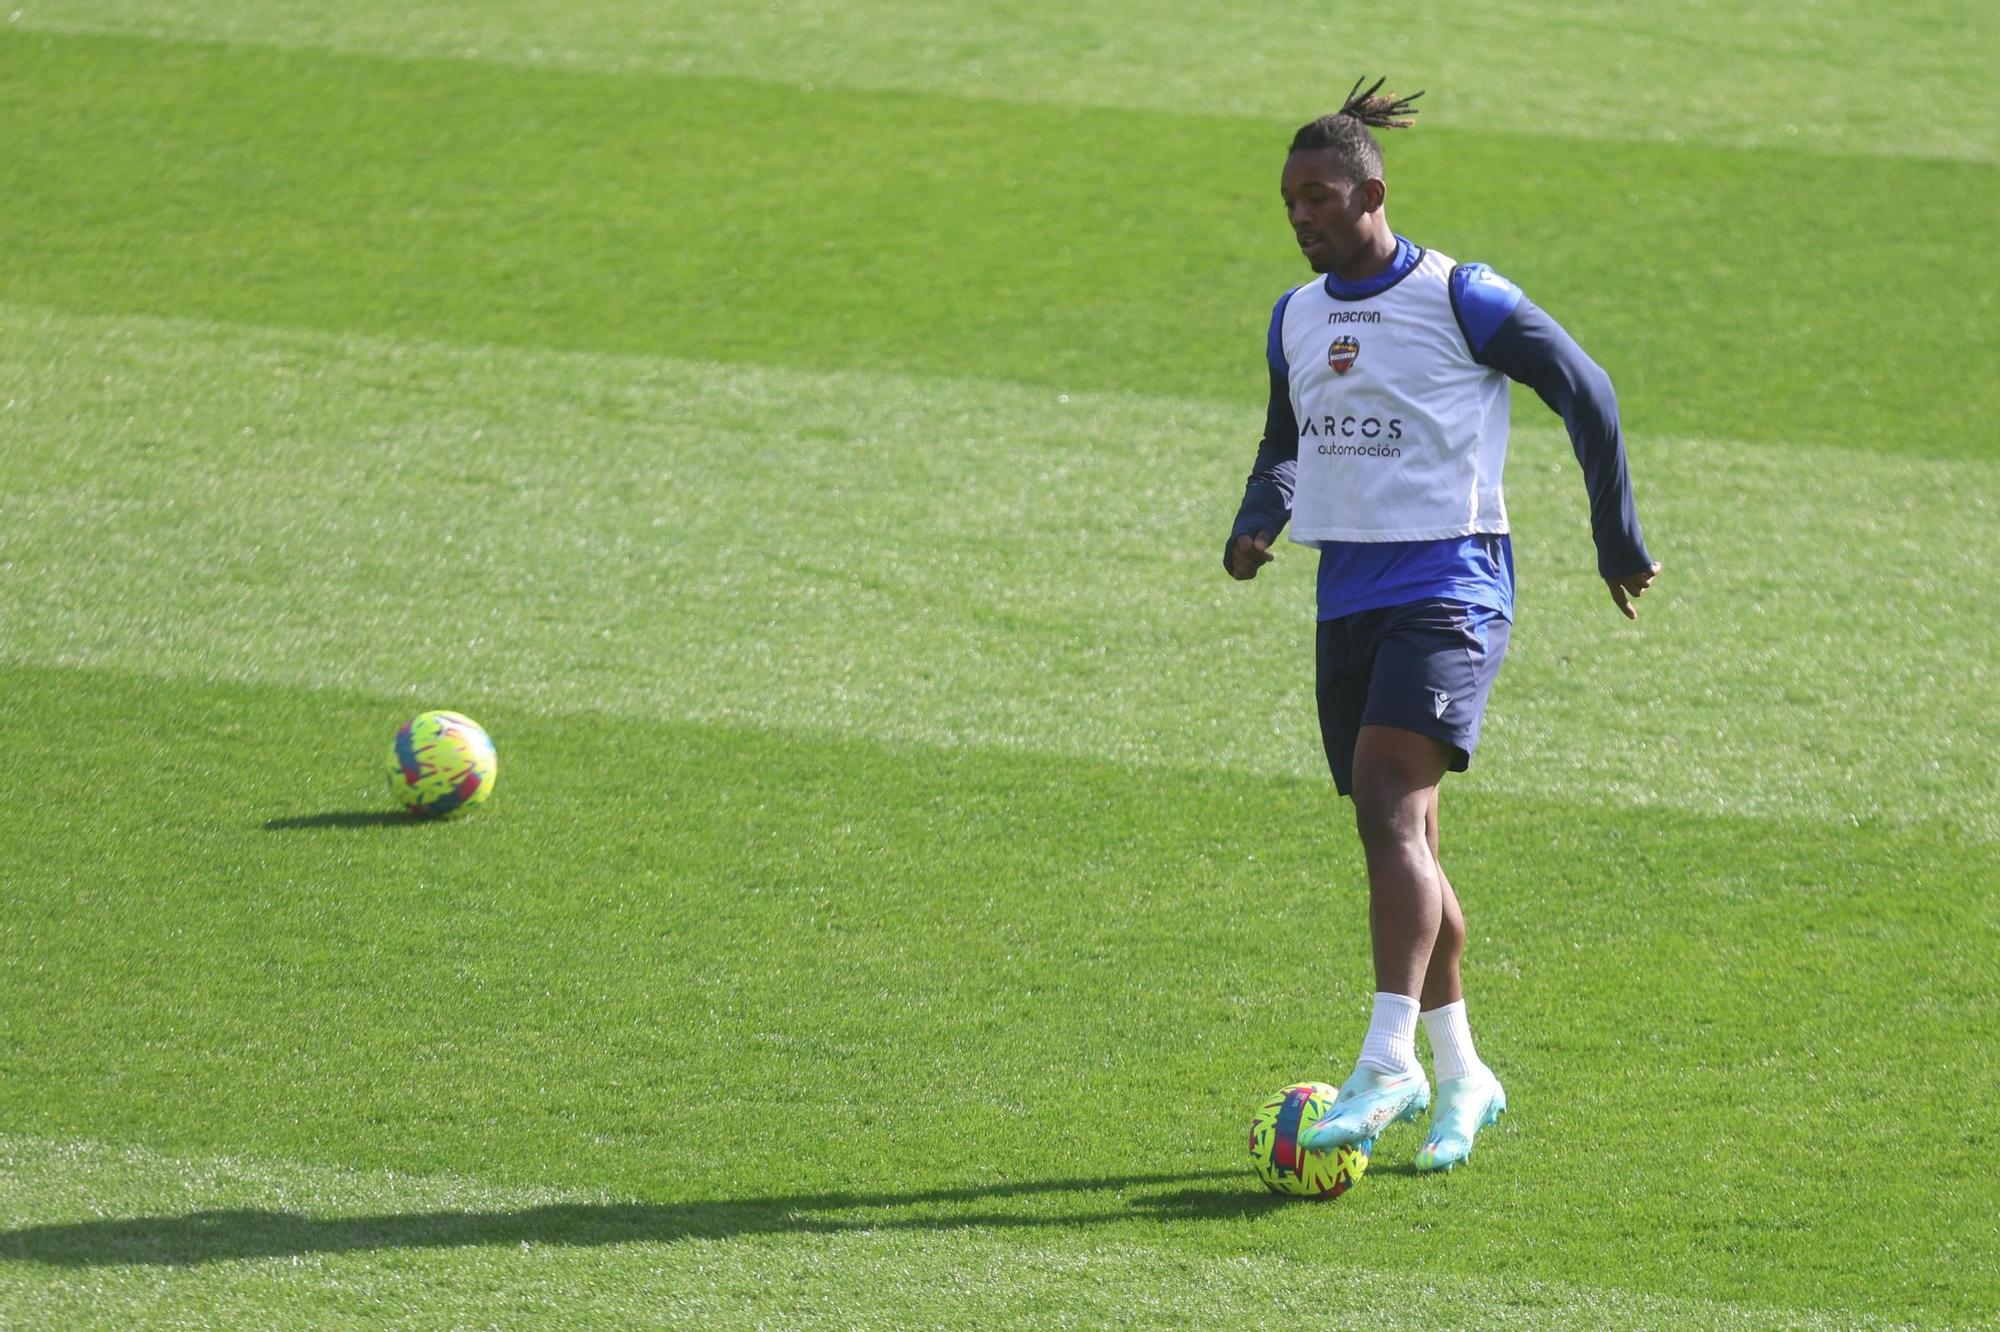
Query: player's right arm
point(1267, 495)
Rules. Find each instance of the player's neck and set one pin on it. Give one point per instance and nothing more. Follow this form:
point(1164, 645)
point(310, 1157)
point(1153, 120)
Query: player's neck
point(1371, 259)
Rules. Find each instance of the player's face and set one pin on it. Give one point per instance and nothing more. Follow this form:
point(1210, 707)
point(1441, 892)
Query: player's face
point(1330, 214)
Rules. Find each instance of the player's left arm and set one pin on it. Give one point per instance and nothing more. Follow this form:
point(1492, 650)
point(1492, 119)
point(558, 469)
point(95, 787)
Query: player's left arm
point(1510, 333)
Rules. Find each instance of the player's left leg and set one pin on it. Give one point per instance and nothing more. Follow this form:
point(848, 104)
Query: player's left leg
point(1441, 982)
point(1469, 1096)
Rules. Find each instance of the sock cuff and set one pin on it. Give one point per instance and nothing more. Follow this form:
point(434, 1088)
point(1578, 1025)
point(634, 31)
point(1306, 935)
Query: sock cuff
point(1452, 1055)
point(1391, 1043)
point(1397, 1008)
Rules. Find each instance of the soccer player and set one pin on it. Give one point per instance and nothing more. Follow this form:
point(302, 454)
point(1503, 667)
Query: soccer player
point(1383, 447)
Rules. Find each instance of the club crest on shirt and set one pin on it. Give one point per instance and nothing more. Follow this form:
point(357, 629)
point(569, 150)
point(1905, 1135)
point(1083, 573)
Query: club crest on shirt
point(1340, 355)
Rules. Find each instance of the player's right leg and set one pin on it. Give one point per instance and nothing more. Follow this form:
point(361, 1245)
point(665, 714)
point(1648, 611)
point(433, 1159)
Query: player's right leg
point(1395, 777)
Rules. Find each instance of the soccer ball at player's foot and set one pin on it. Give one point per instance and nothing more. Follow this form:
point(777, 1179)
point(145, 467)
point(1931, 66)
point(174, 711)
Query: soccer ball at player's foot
point(442, 764)
point(1286, 1167)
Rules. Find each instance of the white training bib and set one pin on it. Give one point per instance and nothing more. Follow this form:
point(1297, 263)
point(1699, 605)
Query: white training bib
point(1402, 435)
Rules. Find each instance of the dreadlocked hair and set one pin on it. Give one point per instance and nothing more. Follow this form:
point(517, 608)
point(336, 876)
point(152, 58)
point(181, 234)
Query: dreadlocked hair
point(1345, 132)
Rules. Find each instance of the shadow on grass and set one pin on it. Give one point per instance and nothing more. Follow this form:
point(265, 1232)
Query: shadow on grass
point(216, 1236)
point(354, 818)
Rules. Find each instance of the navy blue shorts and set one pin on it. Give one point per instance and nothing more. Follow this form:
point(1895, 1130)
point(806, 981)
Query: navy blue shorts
point(1426, 667)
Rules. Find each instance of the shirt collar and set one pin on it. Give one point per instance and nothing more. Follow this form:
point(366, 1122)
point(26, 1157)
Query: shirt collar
point(1399, 268)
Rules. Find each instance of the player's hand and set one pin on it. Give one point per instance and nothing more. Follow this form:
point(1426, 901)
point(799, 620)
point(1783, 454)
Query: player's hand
point(1626, 590)
point(1249, 553)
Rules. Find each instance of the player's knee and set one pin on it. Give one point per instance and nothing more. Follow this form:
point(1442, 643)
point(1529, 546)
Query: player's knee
point(1386, 816)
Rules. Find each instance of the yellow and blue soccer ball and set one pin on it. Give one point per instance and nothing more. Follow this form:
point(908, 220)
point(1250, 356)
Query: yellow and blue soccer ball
point(1286, 1167)
point(442, 764)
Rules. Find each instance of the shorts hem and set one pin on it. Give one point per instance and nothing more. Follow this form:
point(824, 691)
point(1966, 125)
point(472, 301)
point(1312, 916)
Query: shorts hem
point(1425, 726)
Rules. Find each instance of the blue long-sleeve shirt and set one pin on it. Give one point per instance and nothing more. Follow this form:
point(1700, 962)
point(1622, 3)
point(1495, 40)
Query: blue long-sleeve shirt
point(1508, 332)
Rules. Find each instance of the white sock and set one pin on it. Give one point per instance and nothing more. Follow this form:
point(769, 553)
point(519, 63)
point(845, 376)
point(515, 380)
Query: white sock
point(1452, 1055)
point(1391, 1043)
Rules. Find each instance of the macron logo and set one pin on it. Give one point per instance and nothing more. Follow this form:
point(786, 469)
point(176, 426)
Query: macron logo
point(1443, 702)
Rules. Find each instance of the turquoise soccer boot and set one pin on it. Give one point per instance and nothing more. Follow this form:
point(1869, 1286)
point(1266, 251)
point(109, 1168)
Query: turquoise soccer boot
point(1465, 1106)
point(1368, 1103)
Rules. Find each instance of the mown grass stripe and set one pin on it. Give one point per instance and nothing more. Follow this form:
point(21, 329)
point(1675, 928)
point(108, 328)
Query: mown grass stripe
point(957, 563)
point(1075, 249)
point(1733, 72)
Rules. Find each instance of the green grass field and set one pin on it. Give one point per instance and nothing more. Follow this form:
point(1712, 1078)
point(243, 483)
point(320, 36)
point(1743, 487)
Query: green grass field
point(803, 435)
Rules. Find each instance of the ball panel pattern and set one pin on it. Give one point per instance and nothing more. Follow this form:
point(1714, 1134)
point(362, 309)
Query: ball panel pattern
point(440, 764)
point(1286, 1167)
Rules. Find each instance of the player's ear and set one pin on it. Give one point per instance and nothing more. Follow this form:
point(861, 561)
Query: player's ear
point(1373, 192)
